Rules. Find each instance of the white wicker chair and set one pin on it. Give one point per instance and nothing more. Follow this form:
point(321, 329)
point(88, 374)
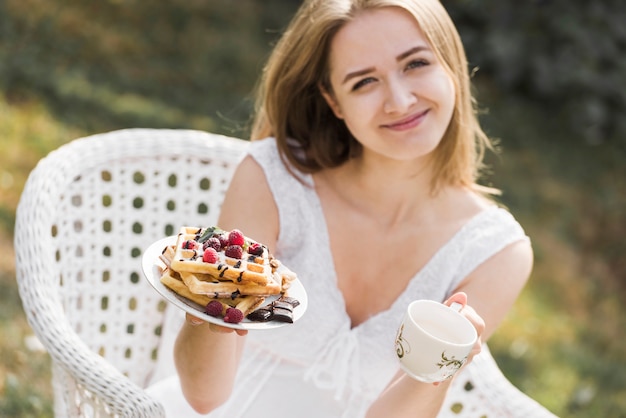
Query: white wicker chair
point(86, 213)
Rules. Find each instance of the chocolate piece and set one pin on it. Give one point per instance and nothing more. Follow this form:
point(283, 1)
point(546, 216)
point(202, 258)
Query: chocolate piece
point(280, 310)
point(282, 305)
point(260, 315)
point(282, 315)
point(292, 301)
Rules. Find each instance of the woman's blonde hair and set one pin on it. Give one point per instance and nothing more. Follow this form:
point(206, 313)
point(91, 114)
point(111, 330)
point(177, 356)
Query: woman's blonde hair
point(291, 108)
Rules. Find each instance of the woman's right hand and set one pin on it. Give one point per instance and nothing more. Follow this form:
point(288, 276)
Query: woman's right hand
point(194, 321)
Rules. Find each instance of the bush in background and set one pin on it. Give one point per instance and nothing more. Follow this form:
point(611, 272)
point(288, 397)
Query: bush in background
point(565, 56)
point(109, 64)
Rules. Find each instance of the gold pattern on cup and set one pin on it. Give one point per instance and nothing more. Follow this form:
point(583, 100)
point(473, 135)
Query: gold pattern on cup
point(452, 364)
point(402, 345)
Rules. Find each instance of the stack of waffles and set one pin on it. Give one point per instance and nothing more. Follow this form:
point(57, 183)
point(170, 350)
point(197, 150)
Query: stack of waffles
point(210, 264)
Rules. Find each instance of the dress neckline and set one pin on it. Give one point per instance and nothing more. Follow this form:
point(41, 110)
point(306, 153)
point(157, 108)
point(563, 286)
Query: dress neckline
point(415, 278)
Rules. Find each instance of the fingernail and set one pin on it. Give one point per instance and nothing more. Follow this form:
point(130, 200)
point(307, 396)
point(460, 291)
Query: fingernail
point(456, 306)
point(195, 322)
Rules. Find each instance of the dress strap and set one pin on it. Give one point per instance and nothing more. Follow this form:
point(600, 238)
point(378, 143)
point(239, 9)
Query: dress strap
point(292, 196)
point(493, 230)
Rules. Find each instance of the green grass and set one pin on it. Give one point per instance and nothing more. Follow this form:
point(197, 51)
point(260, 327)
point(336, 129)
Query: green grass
point(27, 132)
point(24, 374)
point(25, 389)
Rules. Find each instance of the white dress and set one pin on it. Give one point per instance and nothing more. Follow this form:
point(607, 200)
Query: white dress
point(321, 366)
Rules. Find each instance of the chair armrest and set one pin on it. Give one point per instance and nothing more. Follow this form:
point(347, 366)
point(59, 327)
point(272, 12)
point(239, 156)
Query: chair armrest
point(120, 395)
point(44, 223)
point(39, 291)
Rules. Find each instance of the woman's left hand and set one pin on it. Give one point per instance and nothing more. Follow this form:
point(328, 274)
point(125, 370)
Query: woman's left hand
point(476, 320)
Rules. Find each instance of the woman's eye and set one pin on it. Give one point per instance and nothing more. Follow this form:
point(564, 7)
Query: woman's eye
point(416, 64)
point(363, 82)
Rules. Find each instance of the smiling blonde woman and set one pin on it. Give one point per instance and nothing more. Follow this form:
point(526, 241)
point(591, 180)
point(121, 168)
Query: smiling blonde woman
point(362, 177)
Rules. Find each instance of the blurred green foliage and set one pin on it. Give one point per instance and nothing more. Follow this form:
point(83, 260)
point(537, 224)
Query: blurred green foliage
point(566, 56)
point(179, 56)
point(550, 76)
point(127, 63)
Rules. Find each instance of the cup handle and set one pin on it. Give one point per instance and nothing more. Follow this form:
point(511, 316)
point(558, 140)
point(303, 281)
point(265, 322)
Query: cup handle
point(456, 306)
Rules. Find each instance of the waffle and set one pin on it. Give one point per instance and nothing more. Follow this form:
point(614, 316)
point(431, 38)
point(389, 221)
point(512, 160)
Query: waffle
point(246, 304)
point(189, 249)
point(242, 281)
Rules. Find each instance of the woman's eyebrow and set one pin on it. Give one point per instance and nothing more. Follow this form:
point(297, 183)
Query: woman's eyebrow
point(357, 73)
point(411, 51)
point(400, 57)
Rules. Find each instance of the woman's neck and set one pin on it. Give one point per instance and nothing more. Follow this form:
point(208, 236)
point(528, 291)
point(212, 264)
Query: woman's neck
point(388, 191)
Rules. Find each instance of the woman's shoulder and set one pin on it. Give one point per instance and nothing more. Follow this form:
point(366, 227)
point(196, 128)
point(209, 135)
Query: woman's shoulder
point(267, 153)
point(265, 149)
point(460, 205)
point(485, 223)
point(280, 174)
point(249, 199)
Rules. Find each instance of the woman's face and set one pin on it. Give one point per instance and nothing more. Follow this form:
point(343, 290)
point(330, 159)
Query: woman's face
point(388, 86)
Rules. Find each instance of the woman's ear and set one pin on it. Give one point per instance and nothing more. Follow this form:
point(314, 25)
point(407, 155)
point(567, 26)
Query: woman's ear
point(332, 103)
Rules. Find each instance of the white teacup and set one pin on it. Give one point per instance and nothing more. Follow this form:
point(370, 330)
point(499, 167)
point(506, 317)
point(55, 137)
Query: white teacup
point(434, 340)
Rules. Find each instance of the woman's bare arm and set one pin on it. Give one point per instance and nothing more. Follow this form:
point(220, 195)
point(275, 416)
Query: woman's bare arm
point(207, 356)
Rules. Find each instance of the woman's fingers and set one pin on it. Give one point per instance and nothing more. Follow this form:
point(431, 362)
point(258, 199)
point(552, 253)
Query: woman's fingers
point(225, 330)
point(194, 321)
point(458, 297)
point(469, 312)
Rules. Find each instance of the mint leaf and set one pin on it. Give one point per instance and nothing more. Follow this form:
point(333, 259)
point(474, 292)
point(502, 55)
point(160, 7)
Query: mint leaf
point(209, 232)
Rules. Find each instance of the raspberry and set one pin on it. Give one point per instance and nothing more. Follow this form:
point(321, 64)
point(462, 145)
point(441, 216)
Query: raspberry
point(234, 251)
point(214, 308)
point(255, 249)
point(223, 238)
point(210, 256)
point(233, 316)
point(214, 243)
point(189, 245)
point(236, 238)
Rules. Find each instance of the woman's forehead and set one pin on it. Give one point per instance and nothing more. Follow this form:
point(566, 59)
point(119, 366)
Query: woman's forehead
point(373, 35)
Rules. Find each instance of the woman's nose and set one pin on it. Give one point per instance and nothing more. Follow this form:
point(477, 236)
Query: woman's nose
point(400, 97)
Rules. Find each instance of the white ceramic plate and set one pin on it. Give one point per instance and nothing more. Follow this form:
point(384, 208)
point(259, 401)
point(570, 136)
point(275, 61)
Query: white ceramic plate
point(152, 267)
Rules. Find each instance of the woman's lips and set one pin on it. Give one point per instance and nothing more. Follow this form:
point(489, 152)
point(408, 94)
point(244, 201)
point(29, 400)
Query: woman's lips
point(407, 123)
